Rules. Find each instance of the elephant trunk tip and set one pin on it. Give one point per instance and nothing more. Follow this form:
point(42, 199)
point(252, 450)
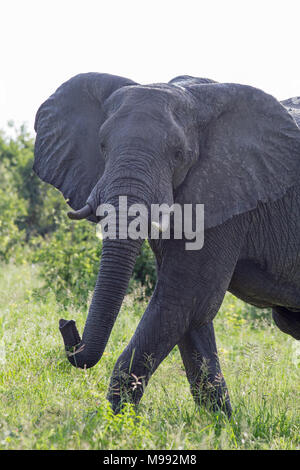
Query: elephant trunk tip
point(69, 333)
point(73, 346)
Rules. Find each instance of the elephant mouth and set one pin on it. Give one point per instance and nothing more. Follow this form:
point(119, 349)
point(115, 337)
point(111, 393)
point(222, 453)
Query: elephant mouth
point(160, 219)
point(134, 222)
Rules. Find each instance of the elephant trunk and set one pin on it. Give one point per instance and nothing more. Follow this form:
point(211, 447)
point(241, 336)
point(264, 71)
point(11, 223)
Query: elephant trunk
point(117, 262)
point(118, 256)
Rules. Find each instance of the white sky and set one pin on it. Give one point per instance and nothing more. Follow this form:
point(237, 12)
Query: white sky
point(43, 43)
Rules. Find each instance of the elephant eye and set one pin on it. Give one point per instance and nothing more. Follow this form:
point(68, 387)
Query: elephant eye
point(103, 149)
point(178, 155)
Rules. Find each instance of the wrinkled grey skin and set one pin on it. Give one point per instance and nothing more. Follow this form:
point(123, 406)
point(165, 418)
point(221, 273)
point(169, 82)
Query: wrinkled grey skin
point(230, 147)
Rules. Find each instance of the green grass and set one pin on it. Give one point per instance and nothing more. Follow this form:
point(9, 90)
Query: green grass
point(45, 403)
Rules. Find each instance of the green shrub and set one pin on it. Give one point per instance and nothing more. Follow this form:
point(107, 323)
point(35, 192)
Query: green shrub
point(11, 209)
point(145, 270)
point(28, 206)
point(69, 261)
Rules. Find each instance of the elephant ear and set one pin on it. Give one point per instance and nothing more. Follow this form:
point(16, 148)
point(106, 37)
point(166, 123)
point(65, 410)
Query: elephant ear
point(249, 151)
point(67, 153)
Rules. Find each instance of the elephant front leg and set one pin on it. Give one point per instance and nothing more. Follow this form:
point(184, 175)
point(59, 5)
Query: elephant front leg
point(198, 350)
point(190, 289)
point(160, 329)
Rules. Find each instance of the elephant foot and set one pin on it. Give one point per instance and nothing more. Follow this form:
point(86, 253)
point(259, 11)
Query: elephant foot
point(215, 398)
point(125, 388)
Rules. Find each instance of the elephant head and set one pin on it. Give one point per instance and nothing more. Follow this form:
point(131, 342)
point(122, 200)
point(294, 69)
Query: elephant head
point(190, 141)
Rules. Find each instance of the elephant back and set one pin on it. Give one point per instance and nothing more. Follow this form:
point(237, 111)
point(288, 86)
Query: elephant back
point(293, 107)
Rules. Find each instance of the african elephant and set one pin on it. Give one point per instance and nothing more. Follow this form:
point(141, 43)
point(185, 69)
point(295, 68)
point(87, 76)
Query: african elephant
point(231, 147)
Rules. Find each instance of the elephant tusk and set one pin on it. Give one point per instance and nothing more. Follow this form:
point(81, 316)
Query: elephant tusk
point(163, 225)
point(81, 213)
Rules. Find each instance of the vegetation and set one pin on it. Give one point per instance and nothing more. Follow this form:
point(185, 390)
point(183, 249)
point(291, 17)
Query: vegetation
point(47, 271)
point(47, 404)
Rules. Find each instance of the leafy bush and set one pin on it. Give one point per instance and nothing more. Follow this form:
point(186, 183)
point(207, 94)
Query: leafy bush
point(12, 209)
point(145, 270)
point(28, 206)
point(69, 261)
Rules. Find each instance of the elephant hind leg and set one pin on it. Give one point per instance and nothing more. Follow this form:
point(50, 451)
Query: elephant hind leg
point(287, 321)
point(199, 354)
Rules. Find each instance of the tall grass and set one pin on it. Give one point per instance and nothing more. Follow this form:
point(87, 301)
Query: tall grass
point(47, 404)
